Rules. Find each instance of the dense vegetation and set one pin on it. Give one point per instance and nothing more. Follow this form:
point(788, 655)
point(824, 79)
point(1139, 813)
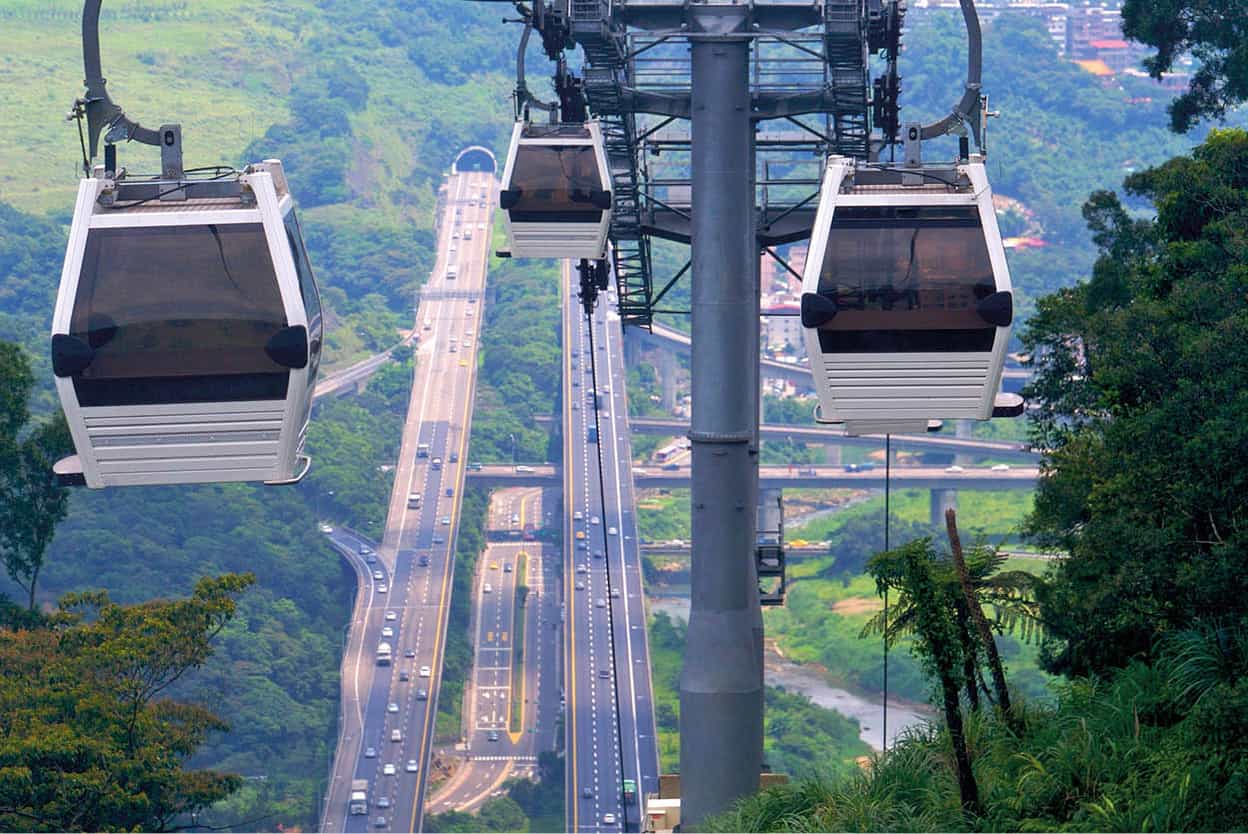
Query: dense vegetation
point(1212, 33)
point(521, 374)
point(1141, 388)
point(91, 738)
point(457, 658)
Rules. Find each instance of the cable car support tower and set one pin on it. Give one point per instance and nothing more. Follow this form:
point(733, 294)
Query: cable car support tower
point(717, 117)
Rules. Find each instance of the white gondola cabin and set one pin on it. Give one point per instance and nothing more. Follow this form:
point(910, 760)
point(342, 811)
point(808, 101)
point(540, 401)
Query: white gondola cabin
point(556, 195)
point(187, 334)
point(906, 299)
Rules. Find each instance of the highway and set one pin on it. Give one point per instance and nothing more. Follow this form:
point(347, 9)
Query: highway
point(395, 705)
point(346, 379)
point(936, 442)
point(495, 748)
point(653, 476)
point(609, 720)
point(1012, 379)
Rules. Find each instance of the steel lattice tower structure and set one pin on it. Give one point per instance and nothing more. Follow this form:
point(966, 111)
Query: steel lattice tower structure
point(717, 116)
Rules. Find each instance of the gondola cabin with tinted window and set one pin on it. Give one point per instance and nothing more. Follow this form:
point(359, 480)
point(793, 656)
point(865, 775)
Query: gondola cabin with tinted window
point(556, 196)
point(187, 332)
point(906, 299)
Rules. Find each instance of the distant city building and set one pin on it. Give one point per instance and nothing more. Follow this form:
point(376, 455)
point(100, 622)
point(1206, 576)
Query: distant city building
point(1089, 33)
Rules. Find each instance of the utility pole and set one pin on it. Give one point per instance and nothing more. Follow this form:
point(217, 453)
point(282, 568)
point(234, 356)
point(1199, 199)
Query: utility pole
point(721, 683)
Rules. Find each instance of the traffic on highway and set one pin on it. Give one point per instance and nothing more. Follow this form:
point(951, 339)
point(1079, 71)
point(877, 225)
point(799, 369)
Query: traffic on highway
point(392, 671)
point(610, 724)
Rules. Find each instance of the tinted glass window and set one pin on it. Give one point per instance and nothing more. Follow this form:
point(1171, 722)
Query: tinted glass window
point(307, 290)
point(178, 314)
point(906, 279)
point(556, 180)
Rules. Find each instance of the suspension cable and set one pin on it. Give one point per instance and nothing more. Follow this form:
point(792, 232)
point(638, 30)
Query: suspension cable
point(606, 558)
point(888, 471)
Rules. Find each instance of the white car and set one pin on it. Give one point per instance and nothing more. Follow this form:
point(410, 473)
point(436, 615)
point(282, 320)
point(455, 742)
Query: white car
point(387, 632)
point(396, 736)
point(388, 770)
point(487, 588)
point(378, 575)
point(424, 671)
point(580, 586)
point(1001, 467)
point(412, 767)
point(954, 469)
point(381, 589)
point(325, 528)
point(601, 603)
point(611, 531)
point(608, 819)
point(578, 515)
point(581, 569)
point(392, 707)
point(595, 520)
point(391, 616)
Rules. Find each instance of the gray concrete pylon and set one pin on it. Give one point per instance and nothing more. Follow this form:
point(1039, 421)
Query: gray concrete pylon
point(721, 682)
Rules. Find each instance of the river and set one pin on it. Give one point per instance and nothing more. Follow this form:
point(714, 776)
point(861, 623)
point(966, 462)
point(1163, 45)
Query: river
point(795, 677)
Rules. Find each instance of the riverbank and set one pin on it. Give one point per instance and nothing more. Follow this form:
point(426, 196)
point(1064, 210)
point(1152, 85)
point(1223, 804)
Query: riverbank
point(865, 708)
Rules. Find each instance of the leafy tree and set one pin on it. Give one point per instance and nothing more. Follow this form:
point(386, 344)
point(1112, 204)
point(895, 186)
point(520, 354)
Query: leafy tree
point(1214, 33)
point(90, 742)
point(31, 502)
point(1140, 401)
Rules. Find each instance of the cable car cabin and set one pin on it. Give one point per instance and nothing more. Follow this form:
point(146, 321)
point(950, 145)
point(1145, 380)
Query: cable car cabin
point(187, 334)
point(556, 196)
point(906, 299)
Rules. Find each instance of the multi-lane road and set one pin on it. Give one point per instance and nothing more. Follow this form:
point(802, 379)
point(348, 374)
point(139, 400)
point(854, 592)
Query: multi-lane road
point(512, 699)
point(389, 710)
point(654, 476)
point(609, 719)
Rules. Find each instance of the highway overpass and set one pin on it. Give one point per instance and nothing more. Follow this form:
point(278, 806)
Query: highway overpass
point(1012, 379)
point(998, 449)
point(779, 477)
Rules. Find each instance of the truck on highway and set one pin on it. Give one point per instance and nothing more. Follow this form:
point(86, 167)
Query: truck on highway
point(629, 791)
point(422, 450)
point(385, 654)
point(359, 796)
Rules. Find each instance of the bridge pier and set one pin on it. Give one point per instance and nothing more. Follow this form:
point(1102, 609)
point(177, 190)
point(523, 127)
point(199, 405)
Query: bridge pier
point(947, 499)
point(668, 367)
point(721, 682)
point(941, 500)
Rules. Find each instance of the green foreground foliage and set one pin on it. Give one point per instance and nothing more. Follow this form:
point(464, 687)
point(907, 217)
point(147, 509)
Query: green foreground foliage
point(1160, 748)
point(1142, 396)
point(91, 739)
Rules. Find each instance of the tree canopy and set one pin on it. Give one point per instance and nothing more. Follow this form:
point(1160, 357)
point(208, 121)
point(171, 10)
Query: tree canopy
point(31, 502)
point(89, 742)
point(1214, 33)
point(1142, 405)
